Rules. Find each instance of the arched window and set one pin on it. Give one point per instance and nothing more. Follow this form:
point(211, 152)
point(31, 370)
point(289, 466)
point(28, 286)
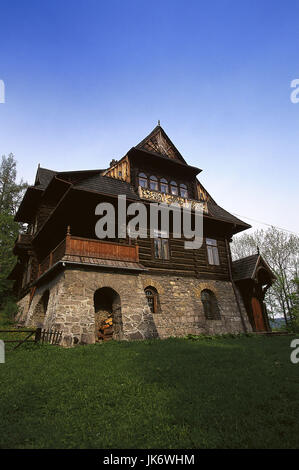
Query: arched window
point(173, 188)
point(184, 191)
point(142, 180)
point(154, 183)
point(164, 185)
point(210, 305)
point(152, 298)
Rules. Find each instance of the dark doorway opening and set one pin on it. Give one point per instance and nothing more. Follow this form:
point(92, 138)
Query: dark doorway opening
point(107, 307)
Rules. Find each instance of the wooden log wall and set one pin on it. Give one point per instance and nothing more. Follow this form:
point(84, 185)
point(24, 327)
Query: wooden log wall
point(185, 262)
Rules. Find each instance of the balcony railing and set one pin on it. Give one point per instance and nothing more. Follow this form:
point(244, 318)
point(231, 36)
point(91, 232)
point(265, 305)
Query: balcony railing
point(89, 248)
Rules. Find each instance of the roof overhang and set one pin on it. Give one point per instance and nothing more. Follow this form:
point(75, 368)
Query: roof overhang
point(171, 162)
point(262, 264)
point(28, 206)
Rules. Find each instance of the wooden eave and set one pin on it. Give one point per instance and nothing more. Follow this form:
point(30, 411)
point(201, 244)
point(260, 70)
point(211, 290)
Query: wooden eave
point(28, 206)
point(230, 227)
point(157, 129)
point(160, 159)
point(56, 188)
point(260, 262)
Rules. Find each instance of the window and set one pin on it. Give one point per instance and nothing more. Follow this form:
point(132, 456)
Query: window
point(154, 183)
point(210, 305)
point(183, 190)
point(173, 188)
point(163, 185)
point(142, 180)
point(152, 298)
point(213, 256)
point(161, 245)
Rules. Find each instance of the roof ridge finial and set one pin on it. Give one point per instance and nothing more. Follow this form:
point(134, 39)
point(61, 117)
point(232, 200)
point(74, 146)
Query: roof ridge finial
point(159, 123)
point(258, 249)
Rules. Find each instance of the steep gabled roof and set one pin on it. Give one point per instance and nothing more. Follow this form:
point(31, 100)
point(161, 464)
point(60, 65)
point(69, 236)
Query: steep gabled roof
point(43, 177)
point(158, 143)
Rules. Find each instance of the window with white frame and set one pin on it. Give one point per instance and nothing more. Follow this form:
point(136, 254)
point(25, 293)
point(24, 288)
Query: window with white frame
point(212, 250)
point(173, 188)
point(184, 191)
point(142, 180)
point(161, 245)
point(163, 185)
point(154, 183)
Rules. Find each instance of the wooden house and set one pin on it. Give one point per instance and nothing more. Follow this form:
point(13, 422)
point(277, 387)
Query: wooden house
point(68, 279)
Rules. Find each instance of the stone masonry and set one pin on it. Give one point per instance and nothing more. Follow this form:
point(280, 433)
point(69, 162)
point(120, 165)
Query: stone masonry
point(70, 306)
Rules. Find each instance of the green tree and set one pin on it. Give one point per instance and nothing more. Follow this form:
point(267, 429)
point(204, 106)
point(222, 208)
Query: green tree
point(281, 252)
point(8, 233)
point(11, 194)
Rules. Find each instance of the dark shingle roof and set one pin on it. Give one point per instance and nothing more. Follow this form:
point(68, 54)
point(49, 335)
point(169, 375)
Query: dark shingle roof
point(244, 268)
point(219, 213)
point(44, 177)
point(106, 185)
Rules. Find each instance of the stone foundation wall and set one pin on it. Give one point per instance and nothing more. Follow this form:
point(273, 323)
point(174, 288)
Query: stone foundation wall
point(71, 306)
point(182, 309)
point(23, 306)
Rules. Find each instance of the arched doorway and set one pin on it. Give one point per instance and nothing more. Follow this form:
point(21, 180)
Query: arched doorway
point(107, 307)
point(40, 310)
point(257, 314)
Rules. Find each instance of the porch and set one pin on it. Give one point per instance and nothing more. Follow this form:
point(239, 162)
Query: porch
point(90, 251)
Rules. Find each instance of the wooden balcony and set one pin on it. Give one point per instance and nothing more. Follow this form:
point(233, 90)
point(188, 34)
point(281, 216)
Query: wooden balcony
point(89, 248)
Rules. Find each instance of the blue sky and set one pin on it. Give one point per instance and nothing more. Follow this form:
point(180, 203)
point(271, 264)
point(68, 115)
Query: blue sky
point(87, 80)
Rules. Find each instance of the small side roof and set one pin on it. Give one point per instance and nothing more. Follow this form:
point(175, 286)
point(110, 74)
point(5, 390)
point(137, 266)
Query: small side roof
point(246, 268)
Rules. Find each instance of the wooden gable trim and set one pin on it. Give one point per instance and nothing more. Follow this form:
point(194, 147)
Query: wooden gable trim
point(158, 129)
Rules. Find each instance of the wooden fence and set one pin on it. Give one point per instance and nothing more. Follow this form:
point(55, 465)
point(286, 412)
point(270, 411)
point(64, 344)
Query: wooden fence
point(40, 336)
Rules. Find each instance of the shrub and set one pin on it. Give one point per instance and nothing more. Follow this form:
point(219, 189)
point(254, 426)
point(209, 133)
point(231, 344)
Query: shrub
point(10, 309)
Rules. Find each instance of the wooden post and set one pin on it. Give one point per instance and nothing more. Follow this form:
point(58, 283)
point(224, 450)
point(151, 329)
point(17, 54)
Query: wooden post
point(38, 334)
point(67, 240)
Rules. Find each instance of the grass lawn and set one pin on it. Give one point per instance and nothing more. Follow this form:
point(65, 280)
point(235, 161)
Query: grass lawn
point(175, 393)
